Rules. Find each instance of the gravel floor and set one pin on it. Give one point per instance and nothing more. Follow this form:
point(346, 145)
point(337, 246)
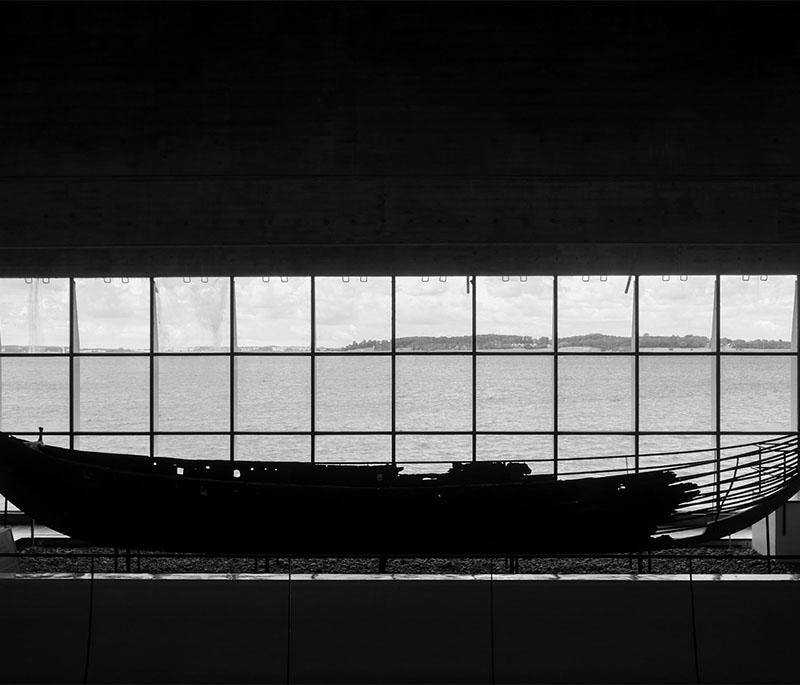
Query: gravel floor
point(39, 559)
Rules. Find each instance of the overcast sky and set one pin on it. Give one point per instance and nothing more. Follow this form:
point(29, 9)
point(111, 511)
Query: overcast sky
point(191, 314)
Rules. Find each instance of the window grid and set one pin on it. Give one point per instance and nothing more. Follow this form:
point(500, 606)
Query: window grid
point(74, 355)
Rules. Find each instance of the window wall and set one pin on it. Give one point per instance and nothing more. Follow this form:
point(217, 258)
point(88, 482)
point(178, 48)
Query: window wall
point(406, 369)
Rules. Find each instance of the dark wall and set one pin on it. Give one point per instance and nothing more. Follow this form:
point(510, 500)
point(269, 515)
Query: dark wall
point(198, 628)
point(399, 138)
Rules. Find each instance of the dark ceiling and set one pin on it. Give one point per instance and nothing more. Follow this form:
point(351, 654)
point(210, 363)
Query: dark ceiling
point(399, 138)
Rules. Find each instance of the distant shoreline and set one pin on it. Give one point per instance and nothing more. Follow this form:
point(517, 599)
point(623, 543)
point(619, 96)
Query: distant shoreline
point(591, 342)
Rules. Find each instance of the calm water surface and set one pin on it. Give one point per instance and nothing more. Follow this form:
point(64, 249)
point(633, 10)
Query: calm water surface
point(433, 393)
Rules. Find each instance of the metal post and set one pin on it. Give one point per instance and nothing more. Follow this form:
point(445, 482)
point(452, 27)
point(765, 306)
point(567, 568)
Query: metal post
point(769, 547)
point(232, 368)
point(1, 380)
point(795, 419)
point(74, 366)
point(474, 372)
point(153, 367)
point(313, 368)
point(717, 387)
point(795, 364)
point(394, 370)
point(555, 376)
point(635, 349)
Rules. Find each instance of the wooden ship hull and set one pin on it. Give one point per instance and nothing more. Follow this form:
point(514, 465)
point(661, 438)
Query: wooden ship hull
point(293, 508)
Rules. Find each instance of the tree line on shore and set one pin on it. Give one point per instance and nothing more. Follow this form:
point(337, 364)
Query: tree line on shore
point(605, 343)
point(497, 341)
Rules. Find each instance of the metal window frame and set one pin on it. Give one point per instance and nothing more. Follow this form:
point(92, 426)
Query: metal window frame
point(153, 355)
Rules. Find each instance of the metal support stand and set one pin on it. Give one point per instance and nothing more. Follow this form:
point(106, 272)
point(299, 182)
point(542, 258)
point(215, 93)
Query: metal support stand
point(769, 549)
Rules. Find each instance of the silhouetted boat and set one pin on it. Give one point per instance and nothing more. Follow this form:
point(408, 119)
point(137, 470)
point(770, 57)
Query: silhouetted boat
point(306, 509)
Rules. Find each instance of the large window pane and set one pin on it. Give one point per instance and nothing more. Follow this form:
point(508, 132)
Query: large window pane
point(744, 440)
point(756, 393)
point(433, 314)
point(116, 444)
point(273, 394)
point(515, 393)
point(699, 450)
point(114, 394)
point(193, 314)
point(654, 450)
point(676, 315)
point(514, 314)
point(595, 314)
point(676, 393)
point(273, 447)
point(193, 393)
point(354, 314)
point(434, 393)
point(595, 393)
point(354, 393)
point(432, 448)
point(113, 315)
point(193, 446)
point(353, 448)
point(35, 392)
point(579, 455)
point(517, 448)
point(34, 316)
point(756, 314)
point(273, 314)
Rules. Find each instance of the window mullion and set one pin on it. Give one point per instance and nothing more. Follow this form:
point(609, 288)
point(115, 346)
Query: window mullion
point(313, 368)
point(717, 316)
point(74, 384)
point(232, 369)
point(153, 367)
point(394, 370)
point(635, 346)
point(474, 369)
point(555, 376)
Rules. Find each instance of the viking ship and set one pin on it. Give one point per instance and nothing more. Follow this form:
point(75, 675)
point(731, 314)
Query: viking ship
point(483, 508)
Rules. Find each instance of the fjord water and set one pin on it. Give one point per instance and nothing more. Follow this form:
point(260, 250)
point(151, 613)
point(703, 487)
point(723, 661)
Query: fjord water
point(433, 393)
